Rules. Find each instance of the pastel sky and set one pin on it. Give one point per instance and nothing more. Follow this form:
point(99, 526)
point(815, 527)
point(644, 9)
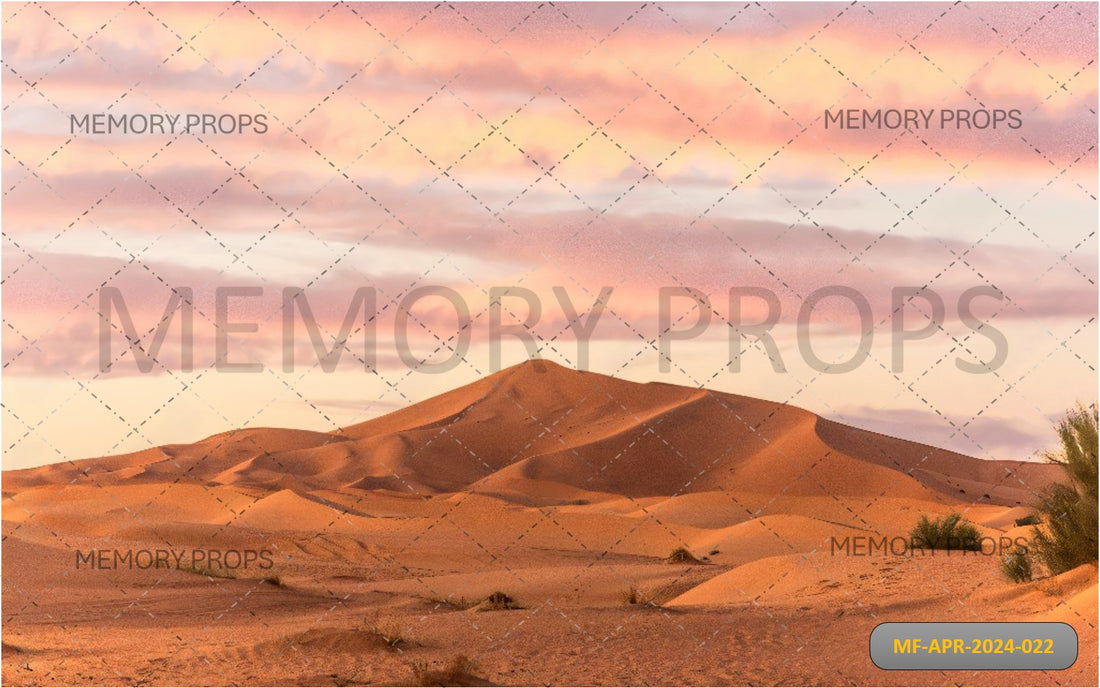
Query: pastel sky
point(580, 146)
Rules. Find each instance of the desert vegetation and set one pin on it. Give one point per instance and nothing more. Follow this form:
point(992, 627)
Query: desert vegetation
point(681, 555)
point(459, 671)
point(636, 596)
point(1067, 536)
point(947, 533)
point(1065, 532)
point(451, 602)
point(496, 602)
point(1016, 565)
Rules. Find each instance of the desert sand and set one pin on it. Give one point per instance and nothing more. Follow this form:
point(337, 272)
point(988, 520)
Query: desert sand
point(566, 491)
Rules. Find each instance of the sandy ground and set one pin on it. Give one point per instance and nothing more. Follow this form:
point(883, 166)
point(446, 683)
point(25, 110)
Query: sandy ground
point(563, 490)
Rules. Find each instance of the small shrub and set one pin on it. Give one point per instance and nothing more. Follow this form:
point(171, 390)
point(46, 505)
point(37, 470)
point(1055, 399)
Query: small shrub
point(1016, 565)
point(1029, 520)
point(385, 631)
point(460, 671)
point(496, 602)
point(681, 555)
point(633, 595)
point(390, 633)
point(948, 533)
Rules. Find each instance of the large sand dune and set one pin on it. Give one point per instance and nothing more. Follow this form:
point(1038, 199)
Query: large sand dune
point(565, 490)
point(542, 422)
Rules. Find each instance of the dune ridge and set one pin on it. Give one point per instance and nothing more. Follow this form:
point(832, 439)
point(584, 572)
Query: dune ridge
point(540, 423)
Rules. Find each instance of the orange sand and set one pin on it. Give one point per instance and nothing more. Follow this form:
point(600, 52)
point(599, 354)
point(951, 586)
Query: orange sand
point(562, 489)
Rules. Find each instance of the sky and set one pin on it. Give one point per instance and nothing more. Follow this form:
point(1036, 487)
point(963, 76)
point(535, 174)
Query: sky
point(531, 147)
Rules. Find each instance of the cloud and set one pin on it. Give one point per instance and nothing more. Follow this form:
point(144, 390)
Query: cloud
point(580, 145)
point(53, 298)
point(986, 436)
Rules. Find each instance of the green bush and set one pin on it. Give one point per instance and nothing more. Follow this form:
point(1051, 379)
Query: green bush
point(947, 533)
point(1068, 536)
point(1016, 565)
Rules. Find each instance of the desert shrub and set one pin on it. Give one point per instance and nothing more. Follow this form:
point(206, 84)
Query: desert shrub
point(497, 601)
point(1016, 565)
point(460, 671)
point(633, 595)
point(385, 631)
point(1068, 536)
point(949, 533)
point(494, 602)
point(390, 633)
point(681, 555)
point(1029, 520)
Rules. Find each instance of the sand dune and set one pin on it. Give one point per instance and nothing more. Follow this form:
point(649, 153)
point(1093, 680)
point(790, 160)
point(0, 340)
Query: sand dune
point(565, 491)
point(540, 421)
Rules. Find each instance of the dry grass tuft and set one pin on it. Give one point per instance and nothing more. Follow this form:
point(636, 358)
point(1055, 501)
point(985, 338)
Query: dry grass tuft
point(386, 631)
point(635, 596)
point(451, 602)
point(460, 671)
point(681, 555)
point(496, 602)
